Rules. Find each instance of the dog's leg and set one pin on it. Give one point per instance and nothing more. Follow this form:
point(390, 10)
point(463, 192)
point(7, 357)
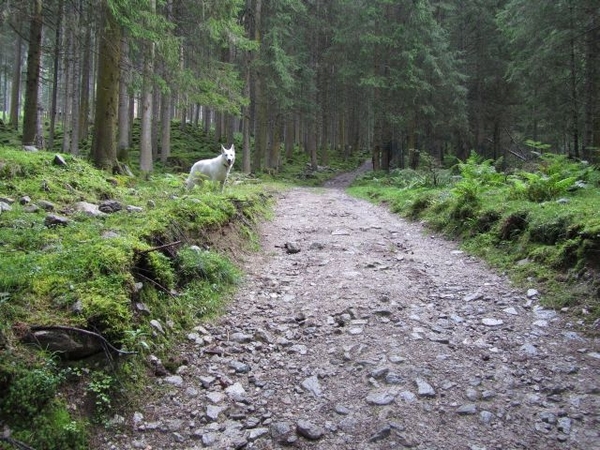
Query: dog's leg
point(189, 184)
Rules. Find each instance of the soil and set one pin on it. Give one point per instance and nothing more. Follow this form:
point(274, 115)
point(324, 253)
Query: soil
point(355, 329)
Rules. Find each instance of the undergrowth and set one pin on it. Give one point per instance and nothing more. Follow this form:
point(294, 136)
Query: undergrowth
point(138, 277)
point(540, 225)
point(154, 260)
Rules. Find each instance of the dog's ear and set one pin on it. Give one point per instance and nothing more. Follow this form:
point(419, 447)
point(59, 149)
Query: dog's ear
point(223, 150)
point(232, 148)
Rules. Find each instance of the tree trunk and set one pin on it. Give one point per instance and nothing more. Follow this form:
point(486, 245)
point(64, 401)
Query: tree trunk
point(68, 87)
point(258, 112)
point(574, 94)
point(246, 166)
point(56, 64)
point(124, 116)
point(592, 88)
point(104, 148)
point(274, 161)
point(146, 163)
point(76, 89)
point(166, 100)
point(260, 140)
point(165, 135)
point(289, 137)
point(15, 94)
point(84, 102)
point(34, 56)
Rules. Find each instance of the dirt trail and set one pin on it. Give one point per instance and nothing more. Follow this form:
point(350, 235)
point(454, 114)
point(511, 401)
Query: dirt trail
point(355, 329)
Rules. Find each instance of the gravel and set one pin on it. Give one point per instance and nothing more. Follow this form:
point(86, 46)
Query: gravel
point(371, 334)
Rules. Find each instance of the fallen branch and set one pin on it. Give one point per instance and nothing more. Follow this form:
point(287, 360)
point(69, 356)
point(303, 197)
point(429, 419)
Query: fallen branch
point(518, 155)
point(15, 443)
point(160, 247)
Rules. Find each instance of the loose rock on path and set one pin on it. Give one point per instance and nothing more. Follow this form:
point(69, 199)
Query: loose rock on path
point(355, 329)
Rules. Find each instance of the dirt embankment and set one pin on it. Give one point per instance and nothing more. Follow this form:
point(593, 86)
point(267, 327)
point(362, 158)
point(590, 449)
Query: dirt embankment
point(357, 330)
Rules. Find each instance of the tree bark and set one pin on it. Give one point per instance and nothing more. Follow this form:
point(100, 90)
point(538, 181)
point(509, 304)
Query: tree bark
point(592, 88)
point(104, 148)
point(15, 94)
point(146, 163)
point(56, 74)
point(76, 89)
point(68, 88)
point(34, 56)
point(124, 117)
point(165, 135)
point(84, 102)
point(274, 160)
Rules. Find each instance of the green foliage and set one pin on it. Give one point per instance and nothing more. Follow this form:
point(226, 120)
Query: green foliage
point(482, 171)
point(420, 204)
point(537, 145)
point(513, 222)
point(556, 175)
point(201, 300)
point(193, 263)
point(54, 430)
point(406, 178)
point(97, 264)
point(101, 389)
point(537, 187)
point(29, 392)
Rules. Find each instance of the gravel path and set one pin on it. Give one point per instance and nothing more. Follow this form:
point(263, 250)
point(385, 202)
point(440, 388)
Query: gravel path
point(355, 329)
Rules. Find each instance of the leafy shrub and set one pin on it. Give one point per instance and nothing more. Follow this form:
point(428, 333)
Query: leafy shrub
point(480, 171)
point(539, 187)
point(201, 299)
point(556, 174)
point(54, 430)
point(513, 225)
point(100, 387)
point(193, 263)
point(420, 204)
point(28, 392)
point(550, 232)
point(486, 220)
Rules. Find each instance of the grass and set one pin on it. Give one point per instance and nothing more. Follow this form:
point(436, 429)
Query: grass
point(541, 226)
point(88, 273)
point(163, 250)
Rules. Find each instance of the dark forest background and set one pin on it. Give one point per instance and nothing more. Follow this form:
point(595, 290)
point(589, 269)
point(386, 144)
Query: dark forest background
point(393, 78)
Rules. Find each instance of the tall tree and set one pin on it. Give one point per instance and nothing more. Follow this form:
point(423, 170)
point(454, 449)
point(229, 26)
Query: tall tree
point(146, 163)
point(56, 70)
point(104, 145)
point(34, 56)
point(548, 67)
point(16, 78)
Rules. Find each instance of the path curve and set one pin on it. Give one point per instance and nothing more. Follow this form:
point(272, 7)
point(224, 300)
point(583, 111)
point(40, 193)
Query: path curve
point(355, 329)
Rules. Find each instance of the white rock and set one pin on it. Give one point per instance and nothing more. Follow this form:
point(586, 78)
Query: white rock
point(490, 322)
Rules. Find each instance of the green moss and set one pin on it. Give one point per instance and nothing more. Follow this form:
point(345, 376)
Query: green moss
point(106, 306)
point(205, 265)
point(515, 223)
point(55, 429)
point(28, 392)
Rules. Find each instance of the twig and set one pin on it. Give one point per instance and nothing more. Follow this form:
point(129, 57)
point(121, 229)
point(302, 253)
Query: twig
point(86, 332)
point(155, 283)
point(153, 249)
point(16, 443)
point(518, 155)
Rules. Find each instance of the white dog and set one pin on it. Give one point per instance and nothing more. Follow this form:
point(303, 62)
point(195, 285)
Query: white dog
point(215, 169)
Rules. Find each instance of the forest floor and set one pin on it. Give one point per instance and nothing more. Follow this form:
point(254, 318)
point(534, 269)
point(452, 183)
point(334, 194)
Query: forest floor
point(355, 329)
